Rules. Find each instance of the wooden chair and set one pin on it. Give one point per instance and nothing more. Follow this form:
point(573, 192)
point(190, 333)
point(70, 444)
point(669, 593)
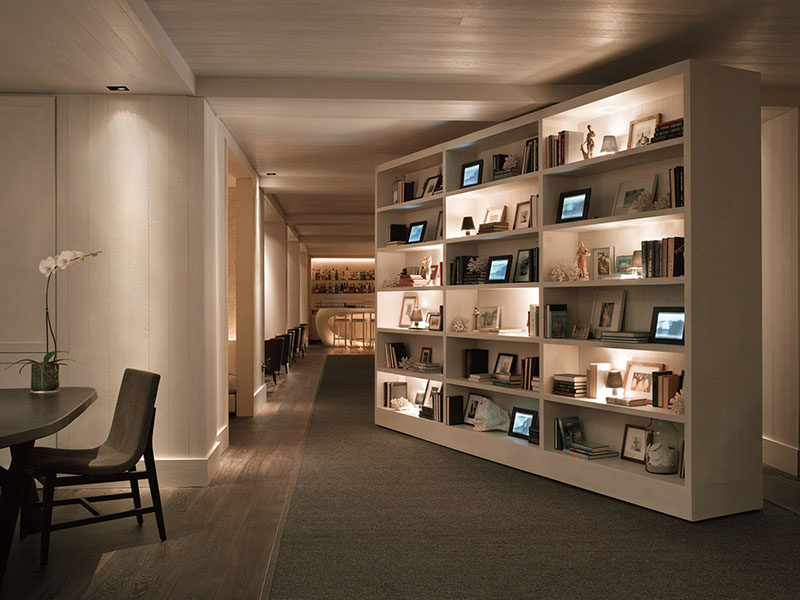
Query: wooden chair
point(130, 438)
point(273, 356)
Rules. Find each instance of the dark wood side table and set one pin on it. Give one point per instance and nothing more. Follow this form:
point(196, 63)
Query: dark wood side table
point(24, 418)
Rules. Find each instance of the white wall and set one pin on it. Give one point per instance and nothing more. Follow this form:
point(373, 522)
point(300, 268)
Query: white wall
point(304, 277)
point(293, 282)
point(275, 313)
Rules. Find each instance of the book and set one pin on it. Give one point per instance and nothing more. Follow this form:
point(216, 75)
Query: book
point(590, 447)
point(598, 371)
point(654, 387)
point(590, 456)
point(568, 430)
point(398, 233)
point(533, 320)
point(570, 377)
point(556, 320)
point(476, 360)
point(627, 400)
point(480, 377)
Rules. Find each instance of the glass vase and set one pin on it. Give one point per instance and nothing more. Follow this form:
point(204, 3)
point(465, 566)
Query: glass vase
point(44, 378)
point(662, 450)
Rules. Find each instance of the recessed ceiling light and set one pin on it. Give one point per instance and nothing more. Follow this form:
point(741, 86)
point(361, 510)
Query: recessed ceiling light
point(118, 88)
point(270, 174)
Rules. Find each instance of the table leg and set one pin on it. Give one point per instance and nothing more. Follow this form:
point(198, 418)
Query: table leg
point(14, 485)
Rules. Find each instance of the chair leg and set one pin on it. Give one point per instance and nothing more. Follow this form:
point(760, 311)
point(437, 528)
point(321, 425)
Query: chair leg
point(47, 516)
point(137, 499)
point(150, 465)
point(274, 378)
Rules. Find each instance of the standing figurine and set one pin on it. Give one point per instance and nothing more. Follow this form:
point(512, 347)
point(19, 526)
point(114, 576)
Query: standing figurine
point(582, 254)
point(589, 143)
point(426, 268)
point(475, 314)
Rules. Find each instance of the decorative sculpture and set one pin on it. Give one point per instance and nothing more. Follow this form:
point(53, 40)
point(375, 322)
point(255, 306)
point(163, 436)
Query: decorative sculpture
point(643, 202)
point(678, 403)
point(582, 254)
point(425, 271)
point(459, 325)
point(475, 314)
point(588, 143)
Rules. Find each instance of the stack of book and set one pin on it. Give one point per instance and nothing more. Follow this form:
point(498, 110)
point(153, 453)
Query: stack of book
point(569, 438)
point(676, 186)
point(507, 380)
point(530, 158)
point(493, 227)
point(480, 377)
point(395, 352)
point(628, 400)
point(668, 130)
point(555, 320)
point(570, 384)
point(662, 258)
point(626, 337)
point(412, 281)
point(476, 361)
point(590, 450)
point(665, 384)
point(530, 374)
point(427, 367)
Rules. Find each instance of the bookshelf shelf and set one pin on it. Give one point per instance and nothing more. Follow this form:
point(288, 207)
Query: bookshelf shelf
point(409, 373)
point(411, 289)
point(722, 381)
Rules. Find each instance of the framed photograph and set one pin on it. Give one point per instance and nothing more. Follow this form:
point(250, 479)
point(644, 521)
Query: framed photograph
point(409, 304)
point(488, 318)
point(471, 410)
point(419, 398)
point(426, 355)
point(471, 173)
point(642, 130)
point(523, 218)
point(523, 271)
point(430, 389)
point(522, 421)
point(505, 363)
point(624, 264)
point(499, 269)
point(434, 321)
point(602, 262)
point(667, 325)
point(629, 191)
point(633, 443)
point(440, 226)
point(639, 378)
point(580, 331)
point(434, 274)
point(557, 324)
point(416, 232)
point(573, 206)
point(431, 185)
point(496, 214)
point(607, 310)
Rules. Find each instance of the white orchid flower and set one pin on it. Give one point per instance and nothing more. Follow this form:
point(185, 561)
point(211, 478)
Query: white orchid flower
point(47, 266)
point(64, 259)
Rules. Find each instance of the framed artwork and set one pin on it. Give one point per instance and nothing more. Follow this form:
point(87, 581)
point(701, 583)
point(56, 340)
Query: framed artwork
point(499, 269)
point(624, 264)
point(471, 173)
point(557, 325)
point(434, 321)
point(602, 262)
point(471, 410)
point(488, 318)
point(416, 232)
point(408, 305)
point(434, 274)
point(523, 216)
point(607, 310)
point(523, 271)
point(505, 363)
point(633, 443)
point(642, 130)
point(426, 355)
point(639, 377)
point(573, 205)
point(580, 331)
point(431, 185)
point(629, 191)
point(668, 325)
point(431, 388)
point(522, 421)
point(439, 227)
point(495, 214)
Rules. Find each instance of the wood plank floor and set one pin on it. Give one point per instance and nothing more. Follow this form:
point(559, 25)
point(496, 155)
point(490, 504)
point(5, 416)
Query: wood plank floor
point(220, 538)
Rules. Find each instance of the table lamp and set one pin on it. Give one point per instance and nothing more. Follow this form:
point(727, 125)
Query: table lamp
point(636, 263)
point(614, 381)
point(416, 317)
point(467, 225)
point(609, 145)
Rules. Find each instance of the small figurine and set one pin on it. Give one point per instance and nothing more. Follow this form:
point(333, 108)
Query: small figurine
point(589, 143)
point(476, 313)
point(425, 271)
point(582, 254)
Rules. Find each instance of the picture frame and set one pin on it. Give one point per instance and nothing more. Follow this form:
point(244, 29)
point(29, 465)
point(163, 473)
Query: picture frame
point(628, 192)
point(642, 130)
point(471, 173)
point(557, 323)
point(499, 270)
point(639, 378)
point(434, 274)
point(580, 331)
point(471, 408)
point(602, 262)
point(522, 421)
point(634, 442)
point(488, 318)
point(440, 226)
point(505, 363)
point(431, 185)
point(430, 388)
point(523, 216)
point(426, 354)
point(495, 214)
point(434, 321)
point(416, 232)
point(409, 303)
point(573, 205)
point(608, 308)
point(523, 269)
point(623, 265)
point(668, 325)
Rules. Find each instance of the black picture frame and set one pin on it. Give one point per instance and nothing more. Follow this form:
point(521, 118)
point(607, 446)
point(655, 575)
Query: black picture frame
point(465, 167)
point(506, 355)
point(514, 431)
point(561, 218)
point(522, 254)
point(505, 258)
point(412, 229)
point(435, 180)
point(655, 337)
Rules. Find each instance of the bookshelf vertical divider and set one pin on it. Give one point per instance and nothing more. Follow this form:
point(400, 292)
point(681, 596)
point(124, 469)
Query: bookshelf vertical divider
point(720, 223)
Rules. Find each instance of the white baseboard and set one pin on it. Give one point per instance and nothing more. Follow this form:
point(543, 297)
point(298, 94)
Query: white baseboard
point(781, 456)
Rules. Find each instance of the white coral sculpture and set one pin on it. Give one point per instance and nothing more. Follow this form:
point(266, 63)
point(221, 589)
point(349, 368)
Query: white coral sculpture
point(478, 265)
point(661, 203)
point(643, 202)
point(406, 362)
point(559, 272)
point(678, 403)
point(459, 325)
point(512, 162)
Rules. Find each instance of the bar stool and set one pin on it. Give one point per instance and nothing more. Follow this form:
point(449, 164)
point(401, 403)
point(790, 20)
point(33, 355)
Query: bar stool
point(363, 320)
point(339, 330)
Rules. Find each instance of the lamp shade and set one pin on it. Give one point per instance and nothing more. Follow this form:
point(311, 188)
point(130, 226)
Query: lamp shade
point(609, 144)
point(636, 262)
point(467, 224)
point(614, 379)
point(416, 315)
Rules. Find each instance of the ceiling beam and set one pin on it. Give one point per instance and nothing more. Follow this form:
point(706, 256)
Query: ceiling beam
point(336, 239)
point(331, 219)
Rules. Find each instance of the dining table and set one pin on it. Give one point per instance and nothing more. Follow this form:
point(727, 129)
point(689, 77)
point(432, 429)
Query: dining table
point(25, 417)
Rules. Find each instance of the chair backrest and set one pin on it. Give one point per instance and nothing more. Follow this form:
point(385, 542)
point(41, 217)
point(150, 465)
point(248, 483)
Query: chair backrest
point(285, 352)
point(296, 333)
point(133, 416)
point(292, 349)
point(302, 329)
point(273, 350)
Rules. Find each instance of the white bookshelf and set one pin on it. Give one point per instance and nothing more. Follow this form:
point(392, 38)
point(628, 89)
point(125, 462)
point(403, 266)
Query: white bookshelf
point(721, 226)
